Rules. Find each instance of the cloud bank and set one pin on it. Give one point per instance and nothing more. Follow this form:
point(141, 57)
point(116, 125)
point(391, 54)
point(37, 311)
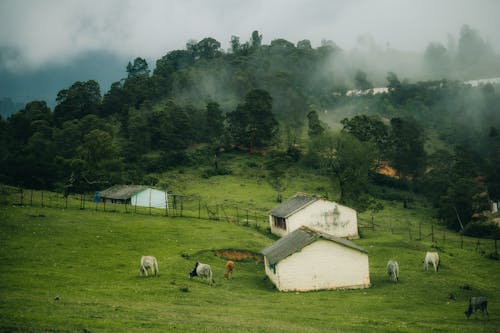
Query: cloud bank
point(35, 34)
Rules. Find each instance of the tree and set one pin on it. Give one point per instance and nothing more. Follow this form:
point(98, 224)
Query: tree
point(361, 81)
point(252, 124)
point(348, 162)
point(277, 164)
point(81, 99)
point(368, 129)
point(471, 47)
point(235, 44)
point(304, 45)
point(407, 152)
point(214, 121)
point(437, 60)
point(315, 128)
point(255, 40)
point(138, 68)
point(208, 48)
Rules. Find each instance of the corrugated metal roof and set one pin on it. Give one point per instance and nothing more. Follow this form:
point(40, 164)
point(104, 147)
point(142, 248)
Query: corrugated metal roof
point(122, 192)
point(297, 240)
point(292, 205)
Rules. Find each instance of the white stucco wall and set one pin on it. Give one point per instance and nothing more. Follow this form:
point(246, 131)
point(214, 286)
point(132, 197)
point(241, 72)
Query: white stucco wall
point(153, 197)
point(323, 215)
point(322, 265)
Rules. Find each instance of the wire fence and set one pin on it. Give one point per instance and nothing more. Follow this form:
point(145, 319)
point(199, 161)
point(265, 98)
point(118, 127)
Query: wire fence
point(192, 206)
point(177, 205)
point(439, 236)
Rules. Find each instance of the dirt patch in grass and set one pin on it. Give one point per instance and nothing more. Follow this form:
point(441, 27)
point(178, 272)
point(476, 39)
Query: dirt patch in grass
point(238, 255)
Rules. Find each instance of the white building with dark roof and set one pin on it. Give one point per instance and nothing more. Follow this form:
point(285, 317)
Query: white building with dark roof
point(135, 195)
point(320, 214)
point(308, 259)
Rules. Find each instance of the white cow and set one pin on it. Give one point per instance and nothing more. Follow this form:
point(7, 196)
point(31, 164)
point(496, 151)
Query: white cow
point(431, 258)
point(149, 262)
point(203, 271)
point(393, 270)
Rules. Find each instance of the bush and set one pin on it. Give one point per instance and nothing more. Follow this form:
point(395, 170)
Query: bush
point(482, 230)
point(215, 172)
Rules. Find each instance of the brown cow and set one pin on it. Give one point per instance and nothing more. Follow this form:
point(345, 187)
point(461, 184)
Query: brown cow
point(229, 269)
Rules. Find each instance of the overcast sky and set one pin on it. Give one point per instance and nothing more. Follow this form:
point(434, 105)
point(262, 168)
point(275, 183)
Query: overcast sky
point(37, 33)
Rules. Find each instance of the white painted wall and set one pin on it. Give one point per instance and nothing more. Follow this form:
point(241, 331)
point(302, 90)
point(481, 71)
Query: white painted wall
point(323, 215)
point(322, 265)
point(150, 197)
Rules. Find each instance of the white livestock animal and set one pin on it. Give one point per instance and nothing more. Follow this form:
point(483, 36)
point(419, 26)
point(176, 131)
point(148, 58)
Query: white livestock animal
point(149, 262)
point(203, 271)
point(431, 258)
point(393, 270)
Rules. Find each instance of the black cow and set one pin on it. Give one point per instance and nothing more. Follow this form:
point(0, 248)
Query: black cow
point(477, 303)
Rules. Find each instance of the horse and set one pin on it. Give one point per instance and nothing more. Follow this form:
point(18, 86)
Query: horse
point(393, 270)
point(229, 269)
point(431, 258)
point(203, 271)
point(149, 262)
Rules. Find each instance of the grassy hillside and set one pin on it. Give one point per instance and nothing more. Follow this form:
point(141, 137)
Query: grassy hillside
point(72, 270)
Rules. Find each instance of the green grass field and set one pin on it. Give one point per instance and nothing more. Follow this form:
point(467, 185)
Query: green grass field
point(72, 270)
point(90, 261)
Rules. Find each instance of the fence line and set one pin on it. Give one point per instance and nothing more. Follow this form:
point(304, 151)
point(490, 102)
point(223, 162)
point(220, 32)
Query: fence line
point(193, 207)
point(439, 237)
point(178, 205)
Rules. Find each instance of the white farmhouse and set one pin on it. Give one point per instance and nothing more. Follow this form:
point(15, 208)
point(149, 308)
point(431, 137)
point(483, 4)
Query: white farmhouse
point(320, 214)
point(308, 259)
point(135, 195)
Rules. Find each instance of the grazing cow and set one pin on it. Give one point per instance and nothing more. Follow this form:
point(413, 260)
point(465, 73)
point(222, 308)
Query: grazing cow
point(393, 270)
point(477, 303)
point(431, 258)
point(203, 271)
point(229, 269)
point(149, 262)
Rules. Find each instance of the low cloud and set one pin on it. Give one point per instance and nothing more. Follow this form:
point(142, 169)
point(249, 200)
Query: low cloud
point(35, 34)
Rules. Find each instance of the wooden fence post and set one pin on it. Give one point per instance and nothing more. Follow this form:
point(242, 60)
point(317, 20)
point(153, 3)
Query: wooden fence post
point(22, 196)
point(31, 198)
point(477, 244)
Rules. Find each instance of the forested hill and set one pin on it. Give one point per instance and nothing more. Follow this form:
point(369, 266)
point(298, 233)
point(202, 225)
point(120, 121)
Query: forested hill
point(281, 97)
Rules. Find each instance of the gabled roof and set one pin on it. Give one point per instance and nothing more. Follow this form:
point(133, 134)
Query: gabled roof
point(297, 240)
point(122, 192)
point(293, 205)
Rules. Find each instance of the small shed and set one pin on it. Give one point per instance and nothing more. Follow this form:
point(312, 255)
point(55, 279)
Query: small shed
point(308, 259)
point(318, 213)
point(135, 195)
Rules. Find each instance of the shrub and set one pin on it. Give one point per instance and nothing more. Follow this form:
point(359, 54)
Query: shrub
point(482, 230)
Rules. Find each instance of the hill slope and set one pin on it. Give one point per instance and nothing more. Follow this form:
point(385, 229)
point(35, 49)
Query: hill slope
point(90, 261)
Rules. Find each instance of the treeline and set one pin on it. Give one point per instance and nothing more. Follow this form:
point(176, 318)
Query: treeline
point(441, 137)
